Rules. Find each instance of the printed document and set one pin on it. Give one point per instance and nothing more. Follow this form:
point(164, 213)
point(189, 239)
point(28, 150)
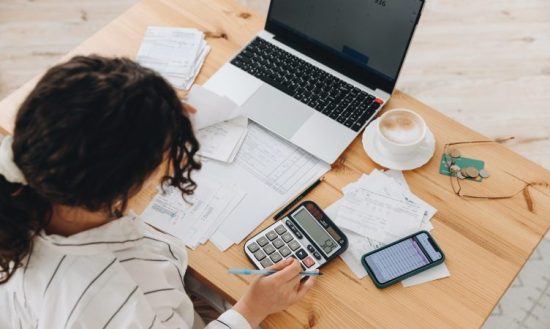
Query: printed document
point(176, 53)
point(271, 170)
point(381, 194)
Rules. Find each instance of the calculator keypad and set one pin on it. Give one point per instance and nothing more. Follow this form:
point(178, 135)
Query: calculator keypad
point(259, 255)
point(281, 242)
point(287, 237)
point(294, 245)
point(253, 247)
point(308, 262)
point(266, 263)
point(276, 257)
point(262, 241)
point(278, 243)
point(280, 229)
point(285, 251)
point(269, 249)
point(301, 254)
point(271, 235)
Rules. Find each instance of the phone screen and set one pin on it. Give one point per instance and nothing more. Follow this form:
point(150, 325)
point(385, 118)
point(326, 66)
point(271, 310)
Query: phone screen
point(403, 257)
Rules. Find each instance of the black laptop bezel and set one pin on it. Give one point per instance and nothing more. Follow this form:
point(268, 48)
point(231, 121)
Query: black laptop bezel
point(328, 57)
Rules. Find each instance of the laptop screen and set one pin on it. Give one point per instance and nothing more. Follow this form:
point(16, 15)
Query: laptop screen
point(372, 35)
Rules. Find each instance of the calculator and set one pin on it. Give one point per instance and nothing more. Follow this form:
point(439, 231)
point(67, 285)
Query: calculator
point(306, 234)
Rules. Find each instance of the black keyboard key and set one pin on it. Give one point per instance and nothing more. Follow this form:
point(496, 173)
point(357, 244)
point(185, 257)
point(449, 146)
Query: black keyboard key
point(301, 254)
point(305, 82)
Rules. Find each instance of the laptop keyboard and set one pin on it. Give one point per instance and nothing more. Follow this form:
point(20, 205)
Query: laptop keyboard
point(310, 85)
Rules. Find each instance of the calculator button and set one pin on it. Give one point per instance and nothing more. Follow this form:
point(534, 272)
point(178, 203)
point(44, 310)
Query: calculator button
point(271, 235)
point(289, 223)
point(285, 251)
point(308, 262)
point(278, 243)
point(266, 263)
point(310, 248)
point(253, 247)
point(301, 254)
point(287, 237)
point(298, 234)
point(262, 241)
point(294, 245)
point(316, 255)
point(269, 249)
point(280, 229)
point(276, 257)
point(259, 255)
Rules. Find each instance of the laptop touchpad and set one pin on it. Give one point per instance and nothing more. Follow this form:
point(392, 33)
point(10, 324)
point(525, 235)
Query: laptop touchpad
point(276, 111)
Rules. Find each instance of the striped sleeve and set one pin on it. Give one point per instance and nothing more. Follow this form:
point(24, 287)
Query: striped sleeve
point(230, 319)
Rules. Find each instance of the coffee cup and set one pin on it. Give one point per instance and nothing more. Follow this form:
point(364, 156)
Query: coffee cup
point(401, 132)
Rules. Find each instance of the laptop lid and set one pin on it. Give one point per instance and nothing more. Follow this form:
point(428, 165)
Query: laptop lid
point(366, 40)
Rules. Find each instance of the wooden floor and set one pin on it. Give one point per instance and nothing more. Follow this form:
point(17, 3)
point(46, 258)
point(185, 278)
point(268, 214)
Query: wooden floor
point(483, 63)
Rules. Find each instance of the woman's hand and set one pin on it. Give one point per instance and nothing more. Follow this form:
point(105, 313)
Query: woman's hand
point(189, 109)
point(273, 293)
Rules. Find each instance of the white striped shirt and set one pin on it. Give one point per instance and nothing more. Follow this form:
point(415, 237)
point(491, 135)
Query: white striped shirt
point(123, 274)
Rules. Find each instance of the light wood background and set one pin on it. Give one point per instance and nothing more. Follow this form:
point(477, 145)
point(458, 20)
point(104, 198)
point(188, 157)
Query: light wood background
point(483, 63)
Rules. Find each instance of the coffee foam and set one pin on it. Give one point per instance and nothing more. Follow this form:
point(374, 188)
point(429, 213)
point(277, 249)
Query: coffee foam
point(401, 127)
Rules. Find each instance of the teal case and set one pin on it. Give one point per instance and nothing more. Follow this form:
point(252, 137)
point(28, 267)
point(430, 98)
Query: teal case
point(406, 275)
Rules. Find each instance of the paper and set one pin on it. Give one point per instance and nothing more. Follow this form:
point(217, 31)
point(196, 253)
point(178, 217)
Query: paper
point(377, 216)
point(434, 273)
point(358, 245)
point(196, 219)
point(388, 188)
point(211, 108)
point(223, 140)
point(176, 53)
point(271, 171)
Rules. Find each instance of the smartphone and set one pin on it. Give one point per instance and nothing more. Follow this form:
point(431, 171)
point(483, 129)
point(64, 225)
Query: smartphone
point(402, 259)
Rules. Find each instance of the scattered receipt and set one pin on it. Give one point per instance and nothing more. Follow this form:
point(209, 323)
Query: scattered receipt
point(389, 211)
point(176, 53)
point(221, 126)
point(211, 108)
point(271, 170)
point(196, 219)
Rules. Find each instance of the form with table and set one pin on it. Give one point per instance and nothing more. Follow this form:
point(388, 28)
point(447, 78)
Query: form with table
point(486, 242)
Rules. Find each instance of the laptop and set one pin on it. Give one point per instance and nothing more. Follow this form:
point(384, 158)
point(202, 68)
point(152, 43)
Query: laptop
point(321, 69)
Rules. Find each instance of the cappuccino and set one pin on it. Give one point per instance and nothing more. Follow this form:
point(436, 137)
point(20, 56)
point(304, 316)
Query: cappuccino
point(402, 127)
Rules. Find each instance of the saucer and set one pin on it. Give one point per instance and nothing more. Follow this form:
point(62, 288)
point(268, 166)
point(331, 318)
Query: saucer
point(398, 162)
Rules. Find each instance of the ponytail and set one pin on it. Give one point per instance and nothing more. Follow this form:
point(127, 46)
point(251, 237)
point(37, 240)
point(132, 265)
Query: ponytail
point(23, 213)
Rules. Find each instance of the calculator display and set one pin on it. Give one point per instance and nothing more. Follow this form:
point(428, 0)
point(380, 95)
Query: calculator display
point(315, 231)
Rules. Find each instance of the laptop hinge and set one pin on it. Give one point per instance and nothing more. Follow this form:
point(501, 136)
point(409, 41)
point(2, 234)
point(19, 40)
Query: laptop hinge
point(382, 94)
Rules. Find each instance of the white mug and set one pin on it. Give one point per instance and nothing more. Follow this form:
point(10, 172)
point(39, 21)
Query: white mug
point(401, 131)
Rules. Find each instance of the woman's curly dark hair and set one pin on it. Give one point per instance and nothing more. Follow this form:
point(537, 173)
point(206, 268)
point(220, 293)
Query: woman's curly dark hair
point(89, 135)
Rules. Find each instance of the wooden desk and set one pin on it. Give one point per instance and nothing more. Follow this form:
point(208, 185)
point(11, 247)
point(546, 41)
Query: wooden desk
point(486, 242)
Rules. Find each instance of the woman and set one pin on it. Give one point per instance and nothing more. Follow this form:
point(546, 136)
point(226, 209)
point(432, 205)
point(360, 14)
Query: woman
point(86, 139)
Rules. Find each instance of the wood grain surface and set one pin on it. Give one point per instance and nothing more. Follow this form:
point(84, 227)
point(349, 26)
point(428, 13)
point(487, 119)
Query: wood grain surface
point(486, 242)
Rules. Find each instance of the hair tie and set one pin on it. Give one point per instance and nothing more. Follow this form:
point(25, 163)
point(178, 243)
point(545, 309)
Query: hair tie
point(8, 168)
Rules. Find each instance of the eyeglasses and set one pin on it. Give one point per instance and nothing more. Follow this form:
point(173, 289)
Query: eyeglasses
point(449, 153)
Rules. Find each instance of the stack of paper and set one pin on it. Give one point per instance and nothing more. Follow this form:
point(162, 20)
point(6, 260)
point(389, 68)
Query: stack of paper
point(176, 53)
point(221, 126)
point(378, 209)
point(195, 219)
point(271, 170)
